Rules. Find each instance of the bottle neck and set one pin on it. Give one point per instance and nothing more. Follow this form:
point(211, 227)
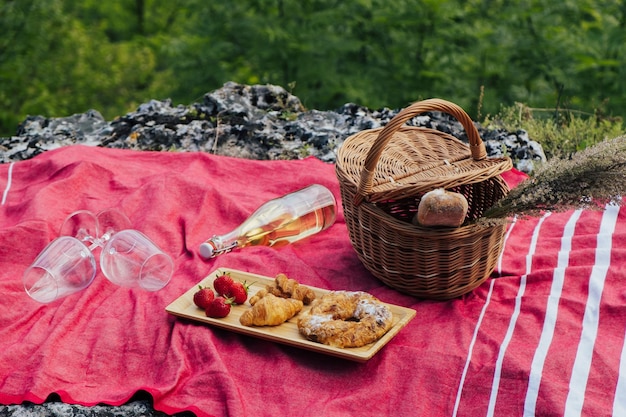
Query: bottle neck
point(224, 243)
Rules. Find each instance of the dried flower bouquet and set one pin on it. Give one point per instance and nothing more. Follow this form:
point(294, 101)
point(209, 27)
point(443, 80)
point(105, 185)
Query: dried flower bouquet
point(588, 179)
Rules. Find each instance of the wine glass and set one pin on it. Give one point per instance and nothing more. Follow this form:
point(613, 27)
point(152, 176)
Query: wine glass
point(66, 265)
point(130, 259)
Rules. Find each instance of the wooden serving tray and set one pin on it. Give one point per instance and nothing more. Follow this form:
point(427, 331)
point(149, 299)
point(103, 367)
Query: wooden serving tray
point(286, 333)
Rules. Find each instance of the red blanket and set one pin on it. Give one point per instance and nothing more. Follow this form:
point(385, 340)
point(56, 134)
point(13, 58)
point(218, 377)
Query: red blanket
point(545, 338)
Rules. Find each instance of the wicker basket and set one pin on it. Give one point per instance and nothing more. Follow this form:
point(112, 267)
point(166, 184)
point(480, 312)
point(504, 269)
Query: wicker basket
point(383, 174)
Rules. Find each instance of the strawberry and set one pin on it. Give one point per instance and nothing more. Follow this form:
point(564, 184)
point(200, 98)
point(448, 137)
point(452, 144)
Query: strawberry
point(219, 307)
point(203, 297)
point(238, 292)
point(222, 283)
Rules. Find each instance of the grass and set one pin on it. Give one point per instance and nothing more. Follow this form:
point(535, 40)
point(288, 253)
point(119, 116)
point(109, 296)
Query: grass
point(560, 132)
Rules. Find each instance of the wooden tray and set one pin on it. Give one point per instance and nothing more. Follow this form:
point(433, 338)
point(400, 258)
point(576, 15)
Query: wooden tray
point(286, 333)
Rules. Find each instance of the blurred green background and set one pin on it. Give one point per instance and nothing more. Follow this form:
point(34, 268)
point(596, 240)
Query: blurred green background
point(59, 57)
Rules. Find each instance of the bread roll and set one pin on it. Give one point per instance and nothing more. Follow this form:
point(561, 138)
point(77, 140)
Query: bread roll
point(441, 208)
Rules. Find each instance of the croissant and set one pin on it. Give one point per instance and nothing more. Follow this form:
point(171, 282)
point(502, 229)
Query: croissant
point(290, 288)
point(271, 311)
point(256, 297)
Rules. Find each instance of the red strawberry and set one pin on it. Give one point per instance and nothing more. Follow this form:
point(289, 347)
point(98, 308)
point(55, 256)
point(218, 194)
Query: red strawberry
point(238, 292)
point(203, 297)
point(219, 307)
point(222, 283)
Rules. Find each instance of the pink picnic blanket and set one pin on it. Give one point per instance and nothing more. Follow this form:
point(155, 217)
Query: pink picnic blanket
point(544, 338)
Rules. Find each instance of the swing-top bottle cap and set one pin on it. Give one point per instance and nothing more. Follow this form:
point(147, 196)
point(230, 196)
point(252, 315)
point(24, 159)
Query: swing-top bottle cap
point(206, 250)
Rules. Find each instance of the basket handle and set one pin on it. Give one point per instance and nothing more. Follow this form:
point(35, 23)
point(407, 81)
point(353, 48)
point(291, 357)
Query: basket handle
point(476, 145)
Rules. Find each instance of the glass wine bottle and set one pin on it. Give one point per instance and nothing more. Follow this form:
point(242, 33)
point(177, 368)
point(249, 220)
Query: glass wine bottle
point(279, 222)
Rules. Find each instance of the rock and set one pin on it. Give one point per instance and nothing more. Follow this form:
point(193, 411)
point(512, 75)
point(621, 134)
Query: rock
point(255, 122)
point(58, 409)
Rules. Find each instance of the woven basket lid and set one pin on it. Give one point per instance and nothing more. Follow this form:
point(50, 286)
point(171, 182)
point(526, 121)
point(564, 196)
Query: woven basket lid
point(400, 161)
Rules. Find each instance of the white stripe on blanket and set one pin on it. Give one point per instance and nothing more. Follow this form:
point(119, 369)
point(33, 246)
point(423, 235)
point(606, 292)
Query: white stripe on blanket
point(8, 187)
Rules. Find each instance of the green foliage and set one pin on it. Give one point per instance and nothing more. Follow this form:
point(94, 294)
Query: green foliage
point(59, 57)
point(53, 63)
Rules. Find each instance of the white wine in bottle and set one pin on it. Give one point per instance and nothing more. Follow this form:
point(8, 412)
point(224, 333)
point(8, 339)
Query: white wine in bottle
point(279, 222)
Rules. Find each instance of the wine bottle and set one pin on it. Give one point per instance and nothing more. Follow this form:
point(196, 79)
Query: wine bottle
point(279, 222)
